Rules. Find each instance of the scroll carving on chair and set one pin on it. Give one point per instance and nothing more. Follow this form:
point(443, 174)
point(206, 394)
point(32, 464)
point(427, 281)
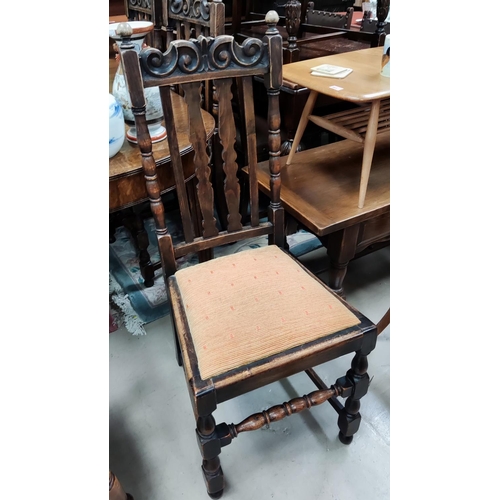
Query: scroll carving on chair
point(254, 317)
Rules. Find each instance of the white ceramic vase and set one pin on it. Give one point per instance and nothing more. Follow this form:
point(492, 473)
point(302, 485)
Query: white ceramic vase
point(116, 126)
point(154, 111)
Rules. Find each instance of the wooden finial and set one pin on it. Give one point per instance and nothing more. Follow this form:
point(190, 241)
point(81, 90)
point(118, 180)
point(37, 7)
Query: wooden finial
point(272, 18)
point(124, 30)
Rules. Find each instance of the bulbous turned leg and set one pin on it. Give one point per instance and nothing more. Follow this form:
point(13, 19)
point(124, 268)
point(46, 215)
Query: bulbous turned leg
point(349, 417)
point(210, 447)
point(341, 248)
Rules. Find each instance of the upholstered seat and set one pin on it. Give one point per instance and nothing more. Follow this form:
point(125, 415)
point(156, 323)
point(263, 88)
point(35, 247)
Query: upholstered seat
point(222, 298)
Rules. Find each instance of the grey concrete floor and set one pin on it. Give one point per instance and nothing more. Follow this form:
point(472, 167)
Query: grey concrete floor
point(153, 449)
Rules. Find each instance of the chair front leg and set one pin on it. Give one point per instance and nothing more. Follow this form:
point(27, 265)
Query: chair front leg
point(210, 447)
point(357, 377)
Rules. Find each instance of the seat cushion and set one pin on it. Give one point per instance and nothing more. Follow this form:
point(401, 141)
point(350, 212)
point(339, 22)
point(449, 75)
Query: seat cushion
point(246, 306)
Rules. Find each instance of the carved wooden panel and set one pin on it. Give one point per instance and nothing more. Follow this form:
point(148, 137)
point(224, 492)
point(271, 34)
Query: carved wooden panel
point(227, 135)
point(330, 19)
point(190, 11)
point(205, 58)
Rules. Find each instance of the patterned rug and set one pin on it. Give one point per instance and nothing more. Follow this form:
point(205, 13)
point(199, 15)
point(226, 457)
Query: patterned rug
point(133, 305)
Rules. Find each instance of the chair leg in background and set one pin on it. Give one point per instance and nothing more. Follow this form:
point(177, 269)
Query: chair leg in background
point(135, 225)
point(210, 447)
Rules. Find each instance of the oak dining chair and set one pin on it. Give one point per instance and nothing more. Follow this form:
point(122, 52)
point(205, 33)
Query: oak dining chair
point(254, 317)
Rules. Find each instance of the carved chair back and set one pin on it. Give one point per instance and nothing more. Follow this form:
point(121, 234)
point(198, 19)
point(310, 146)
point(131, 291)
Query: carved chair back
point(149, 10)
point(370, 25)
point(192, 18)
point(329, 19)
point(187, 63)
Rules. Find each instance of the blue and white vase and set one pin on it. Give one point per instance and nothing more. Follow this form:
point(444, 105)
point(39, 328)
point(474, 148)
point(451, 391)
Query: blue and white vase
point(116, 126)
point(154, 110)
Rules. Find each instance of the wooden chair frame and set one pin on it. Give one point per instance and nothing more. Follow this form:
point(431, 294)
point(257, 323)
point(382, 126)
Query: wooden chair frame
point(256, 57)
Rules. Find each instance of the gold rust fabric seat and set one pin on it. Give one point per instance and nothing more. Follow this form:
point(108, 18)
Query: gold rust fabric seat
point(247, 306)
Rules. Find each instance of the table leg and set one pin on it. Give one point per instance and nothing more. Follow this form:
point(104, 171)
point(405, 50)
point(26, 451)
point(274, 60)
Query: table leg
point(135, 225)
point(304, 119)
point(341, 248)
point(370, 140)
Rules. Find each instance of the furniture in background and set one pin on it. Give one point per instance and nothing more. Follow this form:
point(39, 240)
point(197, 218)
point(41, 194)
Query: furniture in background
point(116, 8)
point(324, 189)
point(127, 187)
point(365, 87)
point(249, 319)
point(325, 18)
point(322, 32)
point(319, 192)
point(126, 184)
point(370, 25)
point(191, 19)
point(149, 10)
point(305, 41)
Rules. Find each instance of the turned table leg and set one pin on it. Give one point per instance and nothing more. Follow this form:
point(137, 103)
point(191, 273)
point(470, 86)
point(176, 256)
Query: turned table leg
point(341, 248)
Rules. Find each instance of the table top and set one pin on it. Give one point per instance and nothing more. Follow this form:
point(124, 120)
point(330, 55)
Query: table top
point(128, 160)
point(321, 188)
point(364, 84)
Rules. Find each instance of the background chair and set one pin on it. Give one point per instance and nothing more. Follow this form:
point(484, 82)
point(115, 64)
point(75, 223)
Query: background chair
point(149, 10)
point(172, 20)
point(255, 317)
point(326, 18)
point(370, 25)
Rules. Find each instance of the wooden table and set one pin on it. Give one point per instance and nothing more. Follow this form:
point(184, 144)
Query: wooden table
point(127, 187)
point(319, 191)
point(364, 86)
point(126, 178)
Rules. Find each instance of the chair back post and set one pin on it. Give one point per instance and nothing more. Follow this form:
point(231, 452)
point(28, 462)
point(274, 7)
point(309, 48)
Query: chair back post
point(292, 22)
point(273, 81)
point(217, 17)
point(132, 70)
point(218, 59)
